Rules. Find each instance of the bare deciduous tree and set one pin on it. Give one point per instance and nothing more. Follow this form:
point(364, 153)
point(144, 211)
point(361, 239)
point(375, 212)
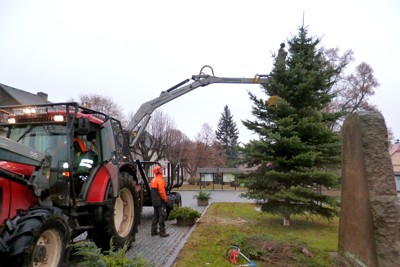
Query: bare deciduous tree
point(154, 140)
point(177, 147)
point(362, 84)
point(204, 152)
point(206, 135)
point(352, 90)
point(101, 103)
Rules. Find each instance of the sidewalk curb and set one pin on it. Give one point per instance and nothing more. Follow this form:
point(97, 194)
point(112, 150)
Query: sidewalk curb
point(178, 249)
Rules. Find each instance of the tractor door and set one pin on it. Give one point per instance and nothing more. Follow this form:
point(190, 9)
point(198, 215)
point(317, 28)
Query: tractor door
point(108, 165)
point(110, 154)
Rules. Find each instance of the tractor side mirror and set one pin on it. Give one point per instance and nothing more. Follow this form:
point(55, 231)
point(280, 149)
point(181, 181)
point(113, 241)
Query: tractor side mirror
point(114, 157)
point(83, 126)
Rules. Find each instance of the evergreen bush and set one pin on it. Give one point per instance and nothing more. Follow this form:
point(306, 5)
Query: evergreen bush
point(93, 257)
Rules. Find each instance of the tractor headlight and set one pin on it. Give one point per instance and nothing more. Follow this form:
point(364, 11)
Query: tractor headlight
point(29, 111)
point(58, 118)
point(11, 120)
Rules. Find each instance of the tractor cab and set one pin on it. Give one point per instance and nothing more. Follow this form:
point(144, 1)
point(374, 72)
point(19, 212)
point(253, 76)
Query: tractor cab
point(77, 140)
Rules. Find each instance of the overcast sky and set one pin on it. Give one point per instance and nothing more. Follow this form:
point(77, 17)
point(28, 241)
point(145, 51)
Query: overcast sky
point(133, 50)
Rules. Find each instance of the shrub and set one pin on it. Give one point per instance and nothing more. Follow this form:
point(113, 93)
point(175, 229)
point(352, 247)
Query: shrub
point(184, 213)
point(93, 257)
point(202, 195)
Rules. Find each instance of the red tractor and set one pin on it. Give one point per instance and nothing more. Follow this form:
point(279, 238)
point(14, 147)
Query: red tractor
point(66, 170)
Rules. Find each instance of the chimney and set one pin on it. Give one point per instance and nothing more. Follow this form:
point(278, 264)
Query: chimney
point(43, 96)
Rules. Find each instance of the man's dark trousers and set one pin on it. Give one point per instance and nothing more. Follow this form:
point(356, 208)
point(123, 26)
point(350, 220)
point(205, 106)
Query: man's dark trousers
point(159, 217)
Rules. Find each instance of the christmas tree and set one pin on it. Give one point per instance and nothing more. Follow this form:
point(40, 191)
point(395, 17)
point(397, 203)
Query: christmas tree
point(296, 154)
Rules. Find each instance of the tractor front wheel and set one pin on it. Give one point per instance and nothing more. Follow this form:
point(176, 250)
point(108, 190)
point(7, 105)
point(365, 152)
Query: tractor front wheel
point(38, 238)
point(120, 217)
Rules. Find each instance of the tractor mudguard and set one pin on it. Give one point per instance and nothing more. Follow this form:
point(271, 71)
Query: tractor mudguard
point(14, 197)
point(98, 187)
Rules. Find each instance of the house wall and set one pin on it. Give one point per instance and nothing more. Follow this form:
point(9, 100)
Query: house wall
point(396, 161)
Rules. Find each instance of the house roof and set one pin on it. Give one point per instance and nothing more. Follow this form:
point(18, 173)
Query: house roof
point(24, 97)
point(394, 148)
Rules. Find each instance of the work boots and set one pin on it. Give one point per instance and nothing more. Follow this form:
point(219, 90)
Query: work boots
point(163, 234)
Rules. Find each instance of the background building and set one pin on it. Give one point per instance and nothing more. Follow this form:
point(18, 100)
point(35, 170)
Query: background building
point(13, 96)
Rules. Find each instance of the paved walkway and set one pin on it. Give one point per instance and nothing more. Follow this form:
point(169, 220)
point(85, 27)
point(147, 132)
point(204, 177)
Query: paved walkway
point(151, 246)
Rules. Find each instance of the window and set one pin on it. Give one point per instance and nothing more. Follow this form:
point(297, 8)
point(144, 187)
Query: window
point(49, 139)
point(397, 179)
point(108, 140)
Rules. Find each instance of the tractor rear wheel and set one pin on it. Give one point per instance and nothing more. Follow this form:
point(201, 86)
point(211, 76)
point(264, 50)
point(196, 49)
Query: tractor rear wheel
point(174, 199)
point(38, 238)
point(120, 217)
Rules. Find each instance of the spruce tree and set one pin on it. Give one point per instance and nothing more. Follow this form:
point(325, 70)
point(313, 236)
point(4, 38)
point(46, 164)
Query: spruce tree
point(297, 153)
point(227, 136)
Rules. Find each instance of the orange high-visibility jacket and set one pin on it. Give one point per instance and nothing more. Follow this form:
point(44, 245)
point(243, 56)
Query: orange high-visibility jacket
point(158, 194)
point(78, 143)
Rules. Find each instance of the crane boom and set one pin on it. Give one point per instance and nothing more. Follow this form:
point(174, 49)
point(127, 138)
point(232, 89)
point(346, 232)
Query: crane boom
point(144, 112)
point(16, 152)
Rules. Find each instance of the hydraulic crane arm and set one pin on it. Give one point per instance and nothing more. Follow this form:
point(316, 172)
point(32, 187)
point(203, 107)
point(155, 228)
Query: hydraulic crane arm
point(144, 112)
point(16, 152)
point(12, 151)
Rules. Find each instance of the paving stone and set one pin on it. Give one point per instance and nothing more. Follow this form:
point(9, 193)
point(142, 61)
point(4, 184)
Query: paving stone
point(163, 251)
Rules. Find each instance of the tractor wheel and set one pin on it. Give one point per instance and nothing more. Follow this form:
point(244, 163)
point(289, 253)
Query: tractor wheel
point(174, 199)
point(37, 238)
point(120, 217)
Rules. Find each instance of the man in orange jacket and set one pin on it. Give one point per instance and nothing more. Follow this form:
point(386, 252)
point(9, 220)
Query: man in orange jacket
point(159, 199)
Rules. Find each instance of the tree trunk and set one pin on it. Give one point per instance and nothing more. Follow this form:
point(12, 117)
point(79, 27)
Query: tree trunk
point(286, 220)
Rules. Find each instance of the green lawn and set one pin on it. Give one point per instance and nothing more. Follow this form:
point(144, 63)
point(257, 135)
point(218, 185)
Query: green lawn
point(225, 224)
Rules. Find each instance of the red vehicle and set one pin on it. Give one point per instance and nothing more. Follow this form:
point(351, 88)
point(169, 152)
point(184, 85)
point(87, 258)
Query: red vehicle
point(66, 170)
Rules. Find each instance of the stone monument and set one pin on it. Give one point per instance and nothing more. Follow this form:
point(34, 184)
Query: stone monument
point(369, 225)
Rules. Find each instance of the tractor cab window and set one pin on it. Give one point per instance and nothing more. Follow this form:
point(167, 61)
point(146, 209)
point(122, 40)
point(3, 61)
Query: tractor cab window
point(85, 151)
point(108, 147)
point(49, 139)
